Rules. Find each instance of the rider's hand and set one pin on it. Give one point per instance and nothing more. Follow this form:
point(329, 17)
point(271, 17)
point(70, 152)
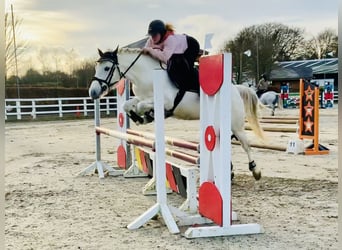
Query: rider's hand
point(146, 50)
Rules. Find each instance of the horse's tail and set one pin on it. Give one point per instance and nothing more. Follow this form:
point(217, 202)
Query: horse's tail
point(252, 105)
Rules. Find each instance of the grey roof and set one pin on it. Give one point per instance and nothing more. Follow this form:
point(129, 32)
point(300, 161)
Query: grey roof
point(290, 73)
point(293, 70)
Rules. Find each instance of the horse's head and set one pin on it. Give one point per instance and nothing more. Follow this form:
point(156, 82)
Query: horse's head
point(107, 73)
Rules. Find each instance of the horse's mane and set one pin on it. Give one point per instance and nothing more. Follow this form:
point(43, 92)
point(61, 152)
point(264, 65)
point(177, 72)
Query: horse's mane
point(112, 55)
point(129, 50)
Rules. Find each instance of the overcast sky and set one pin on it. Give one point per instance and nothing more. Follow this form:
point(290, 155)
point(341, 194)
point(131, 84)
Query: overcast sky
point(85, 25)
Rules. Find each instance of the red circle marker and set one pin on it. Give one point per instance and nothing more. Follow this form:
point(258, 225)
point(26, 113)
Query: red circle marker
point(121, 157)
point(121, 87)
point(210, 138)
point(121, 120)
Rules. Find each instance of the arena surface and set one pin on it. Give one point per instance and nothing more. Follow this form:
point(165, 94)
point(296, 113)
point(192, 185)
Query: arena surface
point(48, 207)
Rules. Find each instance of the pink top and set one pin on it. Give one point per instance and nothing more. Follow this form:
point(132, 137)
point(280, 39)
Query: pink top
point(173, 44)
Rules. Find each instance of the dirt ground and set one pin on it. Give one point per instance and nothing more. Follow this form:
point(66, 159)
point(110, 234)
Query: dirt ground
point(48, 207)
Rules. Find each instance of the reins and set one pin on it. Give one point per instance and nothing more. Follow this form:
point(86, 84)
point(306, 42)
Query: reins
point(122, 75)
point(116, 65)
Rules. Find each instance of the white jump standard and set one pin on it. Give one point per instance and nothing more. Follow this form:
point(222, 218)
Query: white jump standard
point(98, 164)
point(160, 172)
point(215, 173)
point(215, 154)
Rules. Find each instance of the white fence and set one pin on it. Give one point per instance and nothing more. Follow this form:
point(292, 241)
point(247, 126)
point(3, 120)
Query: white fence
point(78, 106)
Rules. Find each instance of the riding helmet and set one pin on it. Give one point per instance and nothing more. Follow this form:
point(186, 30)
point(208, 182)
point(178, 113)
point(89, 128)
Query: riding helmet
point(156, 27)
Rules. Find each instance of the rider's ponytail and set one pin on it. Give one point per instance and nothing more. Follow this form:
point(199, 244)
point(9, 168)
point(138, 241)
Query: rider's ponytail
point(169, 27)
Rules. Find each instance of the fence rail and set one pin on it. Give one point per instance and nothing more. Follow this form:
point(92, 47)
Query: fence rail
point(79, 106)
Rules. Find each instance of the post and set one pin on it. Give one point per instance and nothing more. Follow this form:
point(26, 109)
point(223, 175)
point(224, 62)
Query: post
point(18, 109)
point(85, 111)
point(214, 194)
point(159, 162)
point(60, 108)
point(98, 164)
point(34, 115)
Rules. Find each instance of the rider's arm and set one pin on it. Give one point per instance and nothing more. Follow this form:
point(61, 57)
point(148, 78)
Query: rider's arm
point(168, 48)
point(258, 84)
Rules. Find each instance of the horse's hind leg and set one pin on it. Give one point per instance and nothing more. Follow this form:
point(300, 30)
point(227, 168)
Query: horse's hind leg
point(245, 145)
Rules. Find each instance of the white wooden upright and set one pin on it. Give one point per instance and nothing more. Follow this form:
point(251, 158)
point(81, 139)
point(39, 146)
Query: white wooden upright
point(161, 207)
point(215, 164)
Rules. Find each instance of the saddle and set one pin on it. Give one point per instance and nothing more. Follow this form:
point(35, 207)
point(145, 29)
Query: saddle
point(184, 77)
point(192, 85)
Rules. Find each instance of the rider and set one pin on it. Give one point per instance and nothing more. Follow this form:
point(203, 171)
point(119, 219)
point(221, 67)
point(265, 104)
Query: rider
point(178, 51)
point(262, 85)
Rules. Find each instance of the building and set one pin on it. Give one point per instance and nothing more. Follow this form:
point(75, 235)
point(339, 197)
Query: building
point(321, 70)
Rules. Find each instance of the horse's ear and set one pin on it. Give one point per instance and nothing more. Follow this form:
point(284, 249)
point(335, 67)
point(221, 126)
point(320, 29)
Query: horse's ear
point(100, 52)
point(116, 50)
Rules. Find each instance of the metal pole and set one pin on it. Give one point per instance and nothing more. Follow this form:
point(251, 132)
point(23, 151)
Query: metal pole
point(240, 75)
point(97, 115)
point(15, 54)
point(257, 57)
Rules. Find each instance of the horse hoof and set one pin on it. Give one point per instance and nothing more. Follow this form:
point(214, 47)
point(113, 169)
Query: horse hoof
point(256, 175)
point(255, 170)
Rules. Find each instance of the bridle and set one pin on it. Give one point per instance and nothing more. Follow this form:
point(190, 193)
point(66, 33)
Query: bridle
point(113, 58)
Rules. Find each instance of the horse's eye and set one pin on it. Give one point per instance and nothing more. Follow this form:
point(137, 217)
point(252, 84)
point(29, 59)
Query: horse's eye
point(106, 68)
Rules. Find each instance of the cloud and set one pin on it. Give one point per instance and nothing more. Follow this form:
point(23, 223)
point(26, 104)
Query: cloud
point(54, 29)
point(85, 25)
point(200, 25)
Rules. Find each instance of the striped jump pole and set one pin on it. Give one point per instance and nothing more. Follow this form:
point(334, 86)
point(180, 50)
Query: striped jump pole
point(278, 121)
point(183, 156)
point(132, 139)
point(263, 146)
point(168, 140)
point(295, 118)
point(137, 140)
point(275, 129)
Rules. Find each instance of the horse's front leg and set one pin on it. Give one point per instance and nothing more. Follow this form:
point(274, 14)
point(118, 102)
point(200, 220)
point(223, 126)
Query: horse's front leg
point(146, 108)
point(131, 108)
point(245, 145)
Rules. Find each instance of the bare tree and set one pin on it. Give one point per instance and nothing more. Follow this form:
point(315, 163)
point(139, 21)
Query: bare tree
point(323, 45)
point(9, 42)
point(268, 43)
point(84, 72)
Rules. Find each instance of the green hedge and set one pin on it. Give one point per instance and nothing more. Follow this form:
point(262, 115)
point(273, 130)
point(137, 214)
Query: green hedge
point(46, 92)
